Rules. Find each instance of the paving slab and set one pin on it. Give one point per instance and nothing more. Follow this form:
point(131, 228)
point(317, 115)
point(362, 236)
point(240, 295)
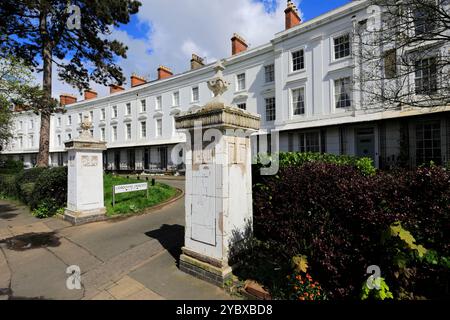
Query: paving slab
point(162, 276)
point(39, 274)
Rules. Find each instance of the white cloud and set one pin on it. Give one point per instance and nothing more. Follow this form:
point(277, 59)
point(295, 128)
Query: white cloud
point(181, 27)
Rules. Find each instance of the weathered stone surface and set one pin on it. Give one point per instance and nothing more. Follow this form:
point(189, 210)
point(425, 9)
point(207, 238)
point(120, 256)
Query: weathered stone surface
point(85, 199)
point(255, 289)
point(218, 184)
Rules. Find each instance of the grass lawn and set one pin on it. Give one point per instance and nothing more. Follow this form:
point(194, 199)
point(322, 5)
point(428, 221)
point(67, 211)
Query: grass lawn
point(134, 201)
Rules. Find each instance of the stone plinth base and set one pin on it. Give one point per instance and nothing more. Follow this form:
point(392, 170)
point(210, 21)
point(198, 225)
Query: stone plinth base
point(204, 268)
point(82, 217)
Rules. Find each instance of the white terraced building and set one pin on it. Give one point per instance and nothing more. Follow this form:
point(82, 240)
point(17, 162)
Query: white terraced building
point(300, 84)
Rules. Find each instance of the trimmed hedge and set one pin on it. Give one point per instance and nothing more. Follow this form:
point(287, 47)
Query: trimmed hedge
point(335, 214)
point(39, 188)
point(296, 159)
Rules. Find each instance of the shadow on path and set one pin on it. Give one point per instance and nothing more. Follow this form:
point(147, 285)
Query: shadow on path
point(171, 238)
point(7, 211)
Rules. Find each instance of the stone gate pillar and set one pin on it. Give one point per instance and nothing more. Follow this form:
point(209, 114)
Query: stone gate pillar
point(218, 183)
point(85, 198)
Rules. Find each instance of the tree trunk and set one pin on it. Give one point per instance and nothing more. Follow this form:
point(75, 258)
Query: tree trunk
point(44, 138)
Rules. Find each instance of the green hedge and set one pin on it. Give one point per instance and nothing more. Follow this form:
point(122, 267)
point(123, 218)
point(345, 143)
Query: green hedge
point(44, 190)
point(297, 159)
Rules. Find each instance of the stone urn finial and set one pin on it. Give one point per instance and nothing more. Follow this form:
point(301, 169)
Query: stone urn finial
point(86, 126)
point(218, 85)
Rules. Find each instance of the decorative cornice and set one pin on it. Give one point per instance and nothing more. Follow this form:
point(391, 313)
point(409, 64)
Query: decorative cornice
point(218, 115)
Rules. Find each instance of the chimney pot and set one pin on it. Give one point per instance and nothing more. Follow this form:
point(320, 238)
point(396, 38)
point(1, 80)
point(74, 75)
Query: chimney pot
point(137, 80)
point(90, 94)
point(115, 88)
point(238, 44)
point(197, 62)
point(66, 99)
point(291, 15)
point(164, 72)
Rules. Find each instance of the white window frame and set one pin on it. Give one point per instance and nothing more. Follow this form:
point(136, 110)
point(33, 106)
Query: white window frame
point(69, 120)
point(102, 114)
point(58, 122)
point(128, 109)
point(143, 103)
point(239, 85)
point(291, 101)
point(143, 125)
point(436, 77)
point(128, 134)
point(272, 65)
point(114, 133)
point(158, 103)
point(176, 99)
point(198, 94)
point(102, 134)
point(333, 49)
point(334, 101)
point(158, 133)
point(115, 112)
point(291, 60)
point(265, 108)
point(80, 118)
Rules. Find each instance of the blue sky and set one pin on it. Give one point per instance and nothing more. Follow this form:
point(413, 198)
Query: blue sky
point(168, 32)
point(309, 8)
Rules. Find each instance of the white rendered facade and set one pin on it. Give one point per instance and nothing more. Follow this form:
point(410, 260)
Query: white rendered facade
point(291, 82)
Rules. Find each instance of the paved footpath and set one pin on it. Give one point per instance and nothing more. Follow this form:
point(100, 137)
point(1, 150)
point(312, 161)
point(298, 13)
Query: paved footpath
point(134, 258)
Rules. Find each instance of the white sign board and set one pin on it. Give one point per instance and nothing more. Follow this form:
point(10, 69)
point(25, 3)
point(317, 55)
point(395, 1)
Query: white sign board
point(130, 187)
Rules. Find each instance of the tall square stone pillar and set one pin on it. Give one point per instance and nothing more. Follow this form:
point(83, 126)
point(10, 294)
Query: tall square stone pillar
point(218, 186)
point(85, 197)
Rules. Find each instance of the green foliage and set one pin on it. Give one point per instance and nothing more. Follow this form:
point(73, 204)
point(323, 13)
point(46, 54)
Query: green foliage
point(52, 186)
point(86, 54)
point(377, 294)
point(16, 88)
point(262, 261)
point(134, 202)
point(296, 159)
point(10, 166)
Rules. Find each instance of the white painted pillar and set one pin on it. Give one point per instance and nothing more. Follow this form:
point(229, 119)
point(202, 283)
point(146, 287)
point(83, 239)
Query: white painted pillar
point(85, 196)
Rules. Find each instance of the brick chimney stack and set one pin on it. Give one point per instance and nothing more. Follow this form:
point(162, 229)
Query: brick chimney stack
point(238, 44)
point(197, 62)
point(66, 99)
point(90, 94)
point(115, 88)
point(137, 80)
point(292, 16)
point(164, 72)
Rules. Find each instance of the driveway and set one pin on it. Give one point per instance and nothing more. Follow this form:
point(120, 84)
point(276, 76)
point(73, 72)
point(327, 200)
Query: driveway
point(134, 258)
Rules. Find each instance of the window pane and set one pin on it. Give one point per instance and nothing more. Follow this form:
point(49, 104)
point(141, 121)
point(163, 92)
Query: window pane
point(298, 61)
point(342, 46)
point(270, 109)
point(428, 143)
point(342, 93)
point(298, 101)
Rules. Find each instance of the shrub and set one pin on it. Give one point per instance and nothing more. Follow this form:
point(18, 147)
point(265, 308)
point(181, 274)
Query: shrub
point(11, 166)
point(8, 186)
point(52, 195)
point(297, 159)
point(335, 215)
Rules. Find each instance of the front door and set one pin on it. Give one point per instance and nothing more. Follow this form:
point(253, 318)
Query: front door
point(365, 143)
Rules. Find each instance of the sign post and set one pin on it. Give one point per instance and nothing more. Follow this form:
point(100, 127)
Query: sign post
point(125, 188)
